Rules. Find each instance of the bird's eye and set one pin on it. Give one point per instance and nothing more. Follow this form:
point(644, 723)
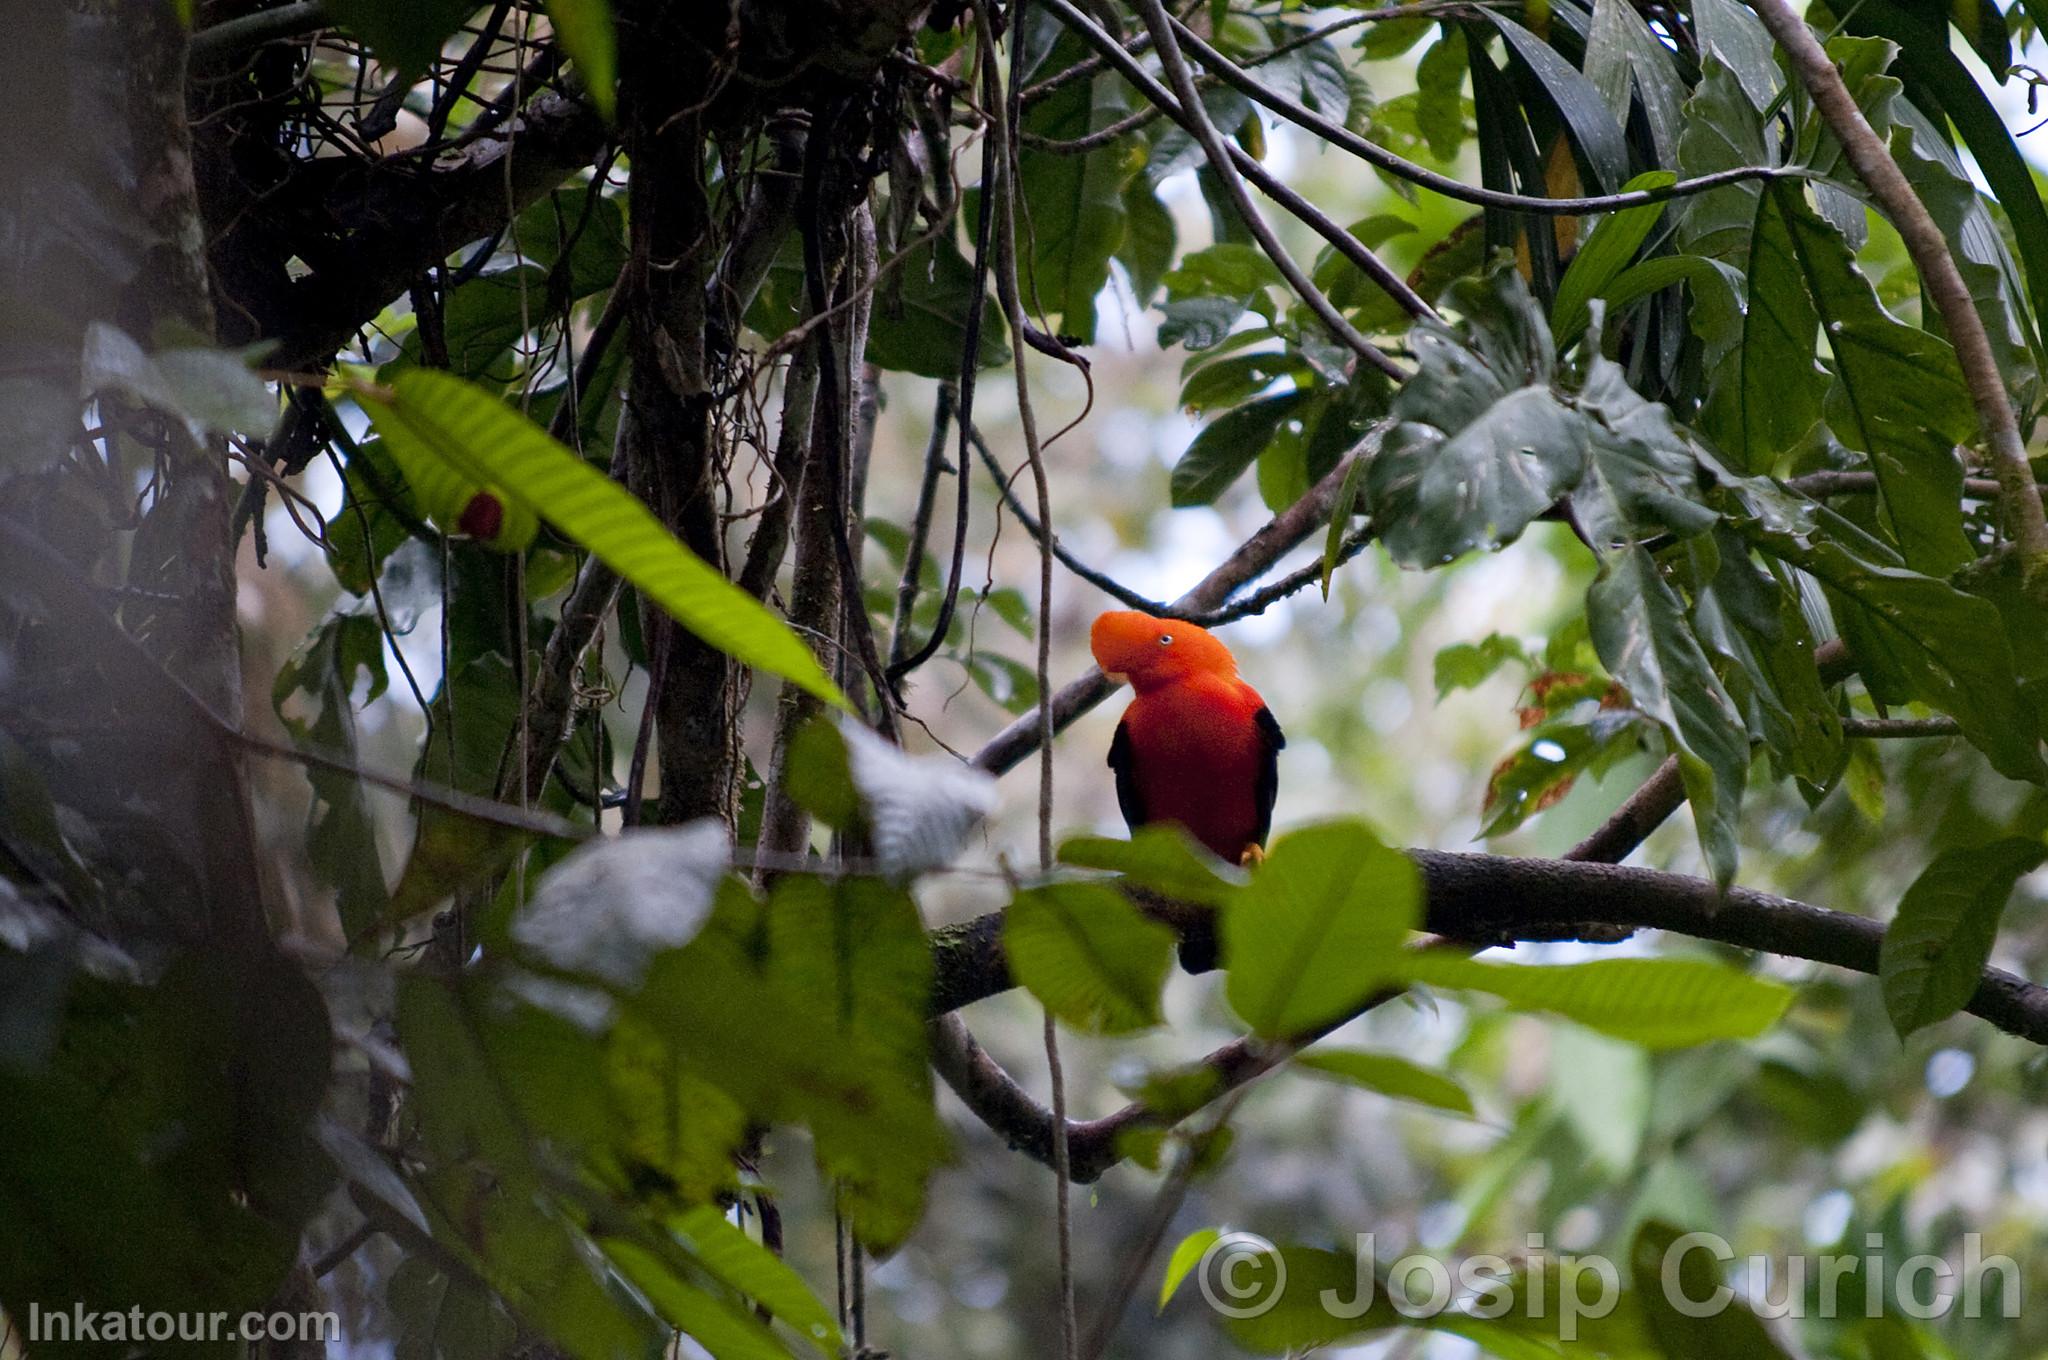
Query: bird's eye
point(1165, 638)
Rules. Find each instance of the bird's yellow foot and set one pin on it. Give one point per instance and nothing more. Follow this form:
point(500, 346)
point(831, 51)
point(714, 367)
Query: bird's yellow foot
point(1253, 854)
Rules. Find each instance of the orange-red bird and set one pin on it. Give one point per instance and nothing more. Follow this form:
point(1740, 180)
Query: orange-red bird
point(1197, 746)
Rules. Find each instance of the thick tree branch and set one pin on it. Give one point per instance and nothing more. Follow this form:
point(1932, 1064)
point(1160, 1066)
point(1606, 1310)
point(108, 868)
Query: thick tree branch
point(1471, 898)
point(1872, 161)
point(405, 220)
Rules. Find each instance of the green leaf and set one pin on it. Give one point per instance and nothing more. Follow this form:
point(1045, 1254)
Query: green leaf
point(1467, 665)
point(718, 1325)
point(741, 1263)
point(584, 29)
point(1342, 511)
point(1229, 444)
point(1283, 1312)
point(1187, 1253)
point(1640, 631)
point(1939, 83)
point(1727, 1332)
point(1946, 647)
point(1643, 477)
point(1149, 240)
point(1937, 945)
point(1323, 917)
point(919, 323)
point(207, 389)
point(1899, 395)
point(1742, 614)
point(1089, 954)
point(1605, 253)
point(1198, 323)
point(1436, 494)
point(1736, 39)
point(1161, 857)
point(1938, 177)
point(1766, 395)
point(1552, 756)
point(1236, 378)
point(1658, 1003)
point(1722, 132)
point(1620, 45)
point(1390, 1076)
point(1595, 133)
point(1483, 445)
point(433, 415)
point(1075, 204)
point(406, 33)
point(1440, 106)
point(341, 834)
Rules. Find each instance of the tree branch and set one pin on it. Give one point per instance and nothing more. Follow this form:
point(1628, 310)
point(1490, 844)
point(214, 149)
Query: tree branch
point(1252, 559)
point(403, 221)
point(1472, 898)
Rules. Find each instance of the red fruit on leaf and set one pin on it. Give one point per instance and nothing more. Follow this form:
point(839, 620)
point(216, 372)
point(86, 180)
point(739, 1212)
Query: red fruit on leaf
point(483, 517)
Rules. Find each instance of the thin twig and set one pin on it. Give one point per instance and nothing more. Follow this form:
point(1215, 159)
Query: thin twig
point(1340, 240)
point(1336, 134)
point(1161, 25)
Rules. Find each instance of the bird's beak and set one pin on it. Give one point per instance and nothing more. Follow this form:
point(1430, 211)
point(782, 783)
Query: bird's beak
point(1117, 677)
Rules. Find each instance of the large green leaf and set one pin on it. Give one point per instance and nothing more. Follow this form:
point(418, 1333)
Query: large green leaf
point(1752, 623)
point(584, 29)
point(1691, 1312)
point(1619, 46)
point(435, 416)
point(1072, 207)
point(1161, 857)
point(1736, 39)
point(1659, 1003)
point(1388, 1075)
point(1606, 252)
point(1939, 84)
point(1766, 395)
point(1089, 954)
point(1595, 132)
point(1641, 632)
point(1484, 445)
point(1229, 444)
point(1936, 947)
point(406, 33)
point(1945, 647)
point(1938, 177)
point(1898, 396)
point(1722, 132)
point(1322, 919)
point(739, 1262)
point(919, 323)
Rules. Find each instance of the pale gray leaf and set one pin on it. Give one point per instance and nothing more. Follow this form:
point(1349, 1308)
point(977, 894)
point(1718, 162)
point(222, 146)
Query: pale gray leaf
point(613, 904)
point(919, 809)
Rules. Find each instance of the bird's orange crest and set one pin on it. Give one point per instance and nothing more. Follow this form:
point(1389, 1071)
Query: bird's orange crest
point(1150, 651)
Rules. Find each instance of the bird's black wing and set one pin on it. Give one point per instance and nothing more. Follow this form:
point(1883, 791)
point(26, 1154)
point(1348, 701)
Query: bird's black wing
point(1128, 796)
point(1271, 739)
